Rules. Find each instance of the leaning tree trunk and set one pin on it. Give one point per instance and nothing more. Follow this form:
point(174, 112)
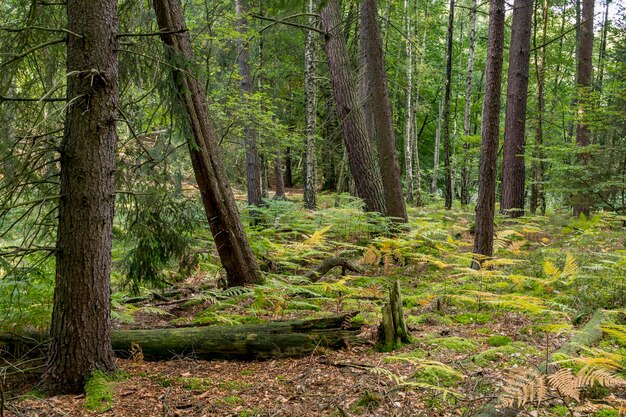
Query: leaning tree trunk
point(310, 97)
point(376, 81)
point(360, 155)
point(81, 316)
point(513, 169)
point(447, 147)
point(585, 55)
point(253, 161)
point(217, 197)
point(485, 206)
point(465, 177)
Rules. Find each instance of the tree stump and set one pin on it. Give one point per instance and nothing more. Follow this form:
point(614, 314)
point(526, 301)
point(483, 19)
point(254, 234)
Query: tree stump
point(392, 331)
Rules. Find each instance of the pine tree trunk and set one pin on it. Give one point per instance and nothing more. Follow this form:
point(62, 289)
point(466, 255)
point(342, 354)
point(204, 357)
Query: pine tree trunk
point(278, 177)
point(287, 174)
point(360, 154)
point(465, 177)
point(310, 97)
point(376, 79)
point(513, 168)
point(485, 206)
point(253, 161)
point(447, 147)
point(217, 197)
point(585, 66)
point(81, 316)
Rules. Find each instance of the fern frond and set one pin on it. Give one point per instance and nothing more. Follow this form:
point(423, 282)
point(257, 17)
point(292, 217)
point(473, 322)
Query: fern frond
point(522, 386)
point(590, 375)
point(565, 383)
point(551, 270)
point(570, 267)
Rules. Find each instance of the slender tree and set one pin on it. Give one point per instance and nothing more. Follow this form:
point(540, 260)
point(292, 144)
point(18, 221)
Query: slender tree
point(80, 326)
point(359, 150)
point(485, 206)
point(310, 97)
point(513, 169)
point(371, 45)
point(408, 122)
point(447, 147)
point(217, 197)
point(253, 160)
point(465, 181)
point(585, 67)
point(433, 185)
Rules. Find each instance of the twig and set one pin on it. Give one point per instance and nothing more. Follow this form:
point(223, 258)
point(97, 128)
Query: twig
point(165, 32)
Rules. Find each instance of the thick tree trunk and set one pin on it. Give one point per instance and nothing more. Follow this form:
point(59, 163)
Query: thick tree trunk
point(447, 147)
point(513, 169)
point(217, 197)
point(376, 79)
point(81, 319)
point(537, 165)
point(310, 97)
point(253, 161)
point(465, 177)
point(361, 157)
point(585, 55)
point(485, 206)
point(288, 174)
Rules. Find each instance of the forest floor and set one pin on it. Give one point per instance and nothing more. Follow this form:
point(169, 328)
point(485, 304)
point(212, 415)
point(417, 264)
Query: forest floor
point(475, 334)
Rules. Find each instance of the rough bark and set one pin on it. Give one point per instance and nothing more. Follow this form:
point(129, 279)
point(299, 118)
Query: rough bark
point(372, 49)
point(513, 168)
point(447, 147)
point(360, 155)
point(253, 161)
point(287, 174)
point(585, 55)
point(485, 206)
point(310, 97)
point(465, 177)
point(278, 177)
point(80, 326)
point(217, 197)
point(392, 331)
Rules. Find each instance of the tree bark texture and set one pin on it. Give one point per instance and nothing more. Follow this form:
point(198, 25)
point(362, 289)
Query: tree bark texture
point(253, 161)
point(310, 97)
point(376, 79)
point(465, 177)
point(217, 197)
point(81, 316)
point(485, 206)
point(585, 66)
point(433, 185)
point(278, 177)
point(513, 168)
point(408, 119)
point(363, 165)
point(447, 146)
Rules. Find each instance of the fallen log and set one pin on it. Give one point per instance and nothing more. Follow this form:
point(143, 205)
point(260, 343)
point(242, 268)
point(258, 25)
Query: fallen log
point(330, 263)
point(272, 340)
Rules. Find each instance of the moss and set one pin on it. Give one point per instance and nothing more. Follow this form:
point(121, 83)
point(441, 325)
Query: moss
point(437, 376)
point(455, 343)
point(430, 319)
point(193, 384)
point(98, 392)
point(234, 385)
point(368, 400)
point(606, 413)
point(472, 318)
point(231, 400)
point(512, 352)
point(499, 340)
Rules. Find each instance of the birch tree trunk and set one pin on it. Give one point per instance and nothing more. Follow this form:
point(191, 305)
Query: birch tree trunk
point(465, 178)
point(363, 165)
point(447, 147)
point(408, 122)
point(310, 97)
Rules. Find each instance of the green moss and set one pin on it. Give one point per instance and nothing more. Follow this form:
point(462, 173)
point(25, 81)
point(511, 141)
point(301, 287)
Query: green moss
point(512, 352)
point(98, 392)
point(369, 400)
point(231, 400)
point(437, 376)
point(560, 411)
point(193, 384)
point(430, 319)
point(606, 413)
point(499, 340)
point(234, 385)
point(472, 318)
point(455, 343)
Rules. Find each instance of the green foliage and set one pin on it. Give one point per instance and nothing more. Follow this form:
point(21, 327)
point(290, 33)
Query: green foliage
point(498, 340)
point(98, 392)
point(515, 352)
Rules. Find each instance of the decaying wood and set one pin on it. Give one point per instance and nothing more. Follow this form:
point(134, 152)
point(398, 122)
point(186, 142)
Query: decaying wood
point(280, 339)
point(330, 263)
point(392, 330)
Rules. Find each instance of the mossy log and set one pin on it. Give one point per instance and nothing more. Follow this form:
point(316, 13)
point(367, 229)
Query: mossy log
point(330, 263)
point(392, 330)
point(586, 336)
point(270, 340)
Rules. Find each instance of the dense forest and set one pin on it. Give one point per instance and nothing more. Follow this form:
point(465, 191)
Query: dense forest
point(312, 207)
